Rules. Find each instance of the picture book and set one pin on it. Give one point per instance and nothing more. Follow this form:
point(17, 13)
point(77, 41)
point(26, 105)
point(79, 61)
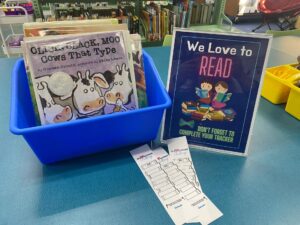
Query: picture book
point(82, 75)
point(49, 29)
point(138, 65)
point(38, 30)
point(68, 23)
point(214, 83)
point(70, 29)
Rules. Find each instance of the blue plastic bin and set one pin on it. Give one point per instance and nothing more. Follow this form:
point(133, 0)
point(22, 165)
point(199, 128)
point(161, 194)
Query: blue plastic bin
point(55, 142)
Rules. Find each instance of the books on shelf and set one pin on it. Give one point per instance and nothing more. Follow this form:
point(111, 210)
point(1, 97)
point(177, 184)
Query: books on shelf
point(138, 65)
point(202, 12)
point(158, 20)
point(122, 12)
point(152, 19)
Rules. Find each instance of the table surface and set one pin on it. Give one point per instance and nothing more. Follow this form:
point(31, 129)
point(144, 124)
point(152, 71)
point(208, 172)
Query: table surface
point(108, 188)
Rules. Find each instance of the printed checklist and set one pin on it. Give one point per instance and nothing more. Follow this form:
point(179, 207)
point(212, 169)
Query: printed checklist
point(174, 180)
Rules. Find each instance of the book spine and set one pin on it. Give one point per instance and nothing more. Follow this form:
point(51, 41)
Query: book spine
point(183, 19)
point(189, 13)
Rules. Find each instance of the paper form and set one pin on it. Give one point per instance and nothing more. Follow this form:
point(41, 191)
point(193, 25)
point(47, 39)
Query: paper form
point(164, 189)
point(180, 154)
point(175, 183)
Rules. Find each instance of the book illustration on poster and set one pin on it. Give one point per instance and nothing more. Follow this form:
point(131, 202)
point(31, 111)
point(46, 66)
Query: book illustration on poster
point(214, 83)
point(217, 110)
point(80, 76)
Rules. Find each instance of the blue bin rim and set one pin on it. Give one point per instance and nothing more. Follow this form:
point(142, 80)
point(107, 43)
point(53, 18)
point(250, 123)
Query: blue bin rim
point(21, 131)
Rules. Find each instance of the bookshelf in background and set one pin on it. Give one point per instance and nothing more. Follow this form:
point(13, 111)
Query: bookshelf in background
point(124, 11)
point(129, 11)
point(202, 13)
point(216, 19)
point(158, 18)
point(152, 19)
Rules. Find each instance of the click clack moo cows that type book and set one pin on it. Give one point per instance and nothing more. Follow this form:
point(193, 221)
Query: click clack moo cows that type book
point(81, 75)
point(214, 83)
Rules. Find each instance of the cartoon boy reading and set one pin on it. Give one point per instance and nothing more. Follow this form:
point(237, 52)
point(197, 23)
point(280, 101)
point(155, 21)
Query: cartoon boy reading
point(204, 93)
point(220, 98)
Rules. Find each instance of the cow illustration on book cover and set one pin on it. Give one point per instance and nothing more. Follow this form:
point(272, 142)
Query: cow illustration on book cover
point(81, 76)
point(65, 97)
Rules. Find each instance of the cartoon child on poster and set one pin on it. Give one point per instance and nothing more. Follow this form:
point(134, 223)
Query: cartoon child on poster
point(211, 103)
point(220, 98)
point(205, 93)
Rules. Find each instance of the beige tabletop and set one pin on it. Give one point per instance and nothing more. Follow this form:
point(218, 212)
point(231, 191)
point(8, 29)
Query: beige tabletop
point(285, 50)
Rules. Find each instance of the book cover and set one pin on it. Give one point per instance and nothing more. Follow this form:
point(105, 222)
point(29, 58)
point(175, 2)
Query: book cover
point(80, 76)
point(69, 23)
point(75, 29)
point(214, 83)
point(138, 65)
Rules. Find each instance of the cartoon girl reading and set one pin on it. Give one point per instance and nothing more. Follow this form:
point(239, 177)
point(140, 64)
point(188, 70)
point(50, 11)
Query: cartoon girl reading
point(221, 97)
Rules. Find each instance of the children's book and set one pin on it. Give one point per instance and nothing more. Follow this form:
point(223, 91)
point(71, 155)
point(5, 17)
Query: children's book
point(70, 29)
point(82, 75)
point(38, 31)
point(69, 23)
point(45, 30)
point(222, 73)
point(138, 64)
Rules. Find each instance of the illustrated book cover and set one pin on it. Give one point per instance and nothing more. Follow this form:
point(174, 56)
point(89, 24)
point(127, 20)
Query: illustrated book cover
point(80, 76)
point(39, 32)
point(138, 65)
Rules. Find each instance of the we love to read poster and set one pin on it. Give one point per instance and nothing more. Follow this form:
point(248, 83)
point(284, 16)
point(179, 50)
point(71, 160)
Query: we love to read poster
point(214, 83)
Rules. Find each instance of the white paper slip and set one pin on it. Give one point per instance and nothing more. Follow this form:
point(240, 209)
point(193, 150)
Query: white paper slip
point(164, 189)
point(180, 154)
point(209, 214)
point(180, 182)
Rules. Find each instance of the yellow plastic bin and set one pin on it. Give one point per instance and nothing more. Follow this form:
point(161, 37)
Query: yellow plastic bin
point(277, 83)
point(293, 103)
